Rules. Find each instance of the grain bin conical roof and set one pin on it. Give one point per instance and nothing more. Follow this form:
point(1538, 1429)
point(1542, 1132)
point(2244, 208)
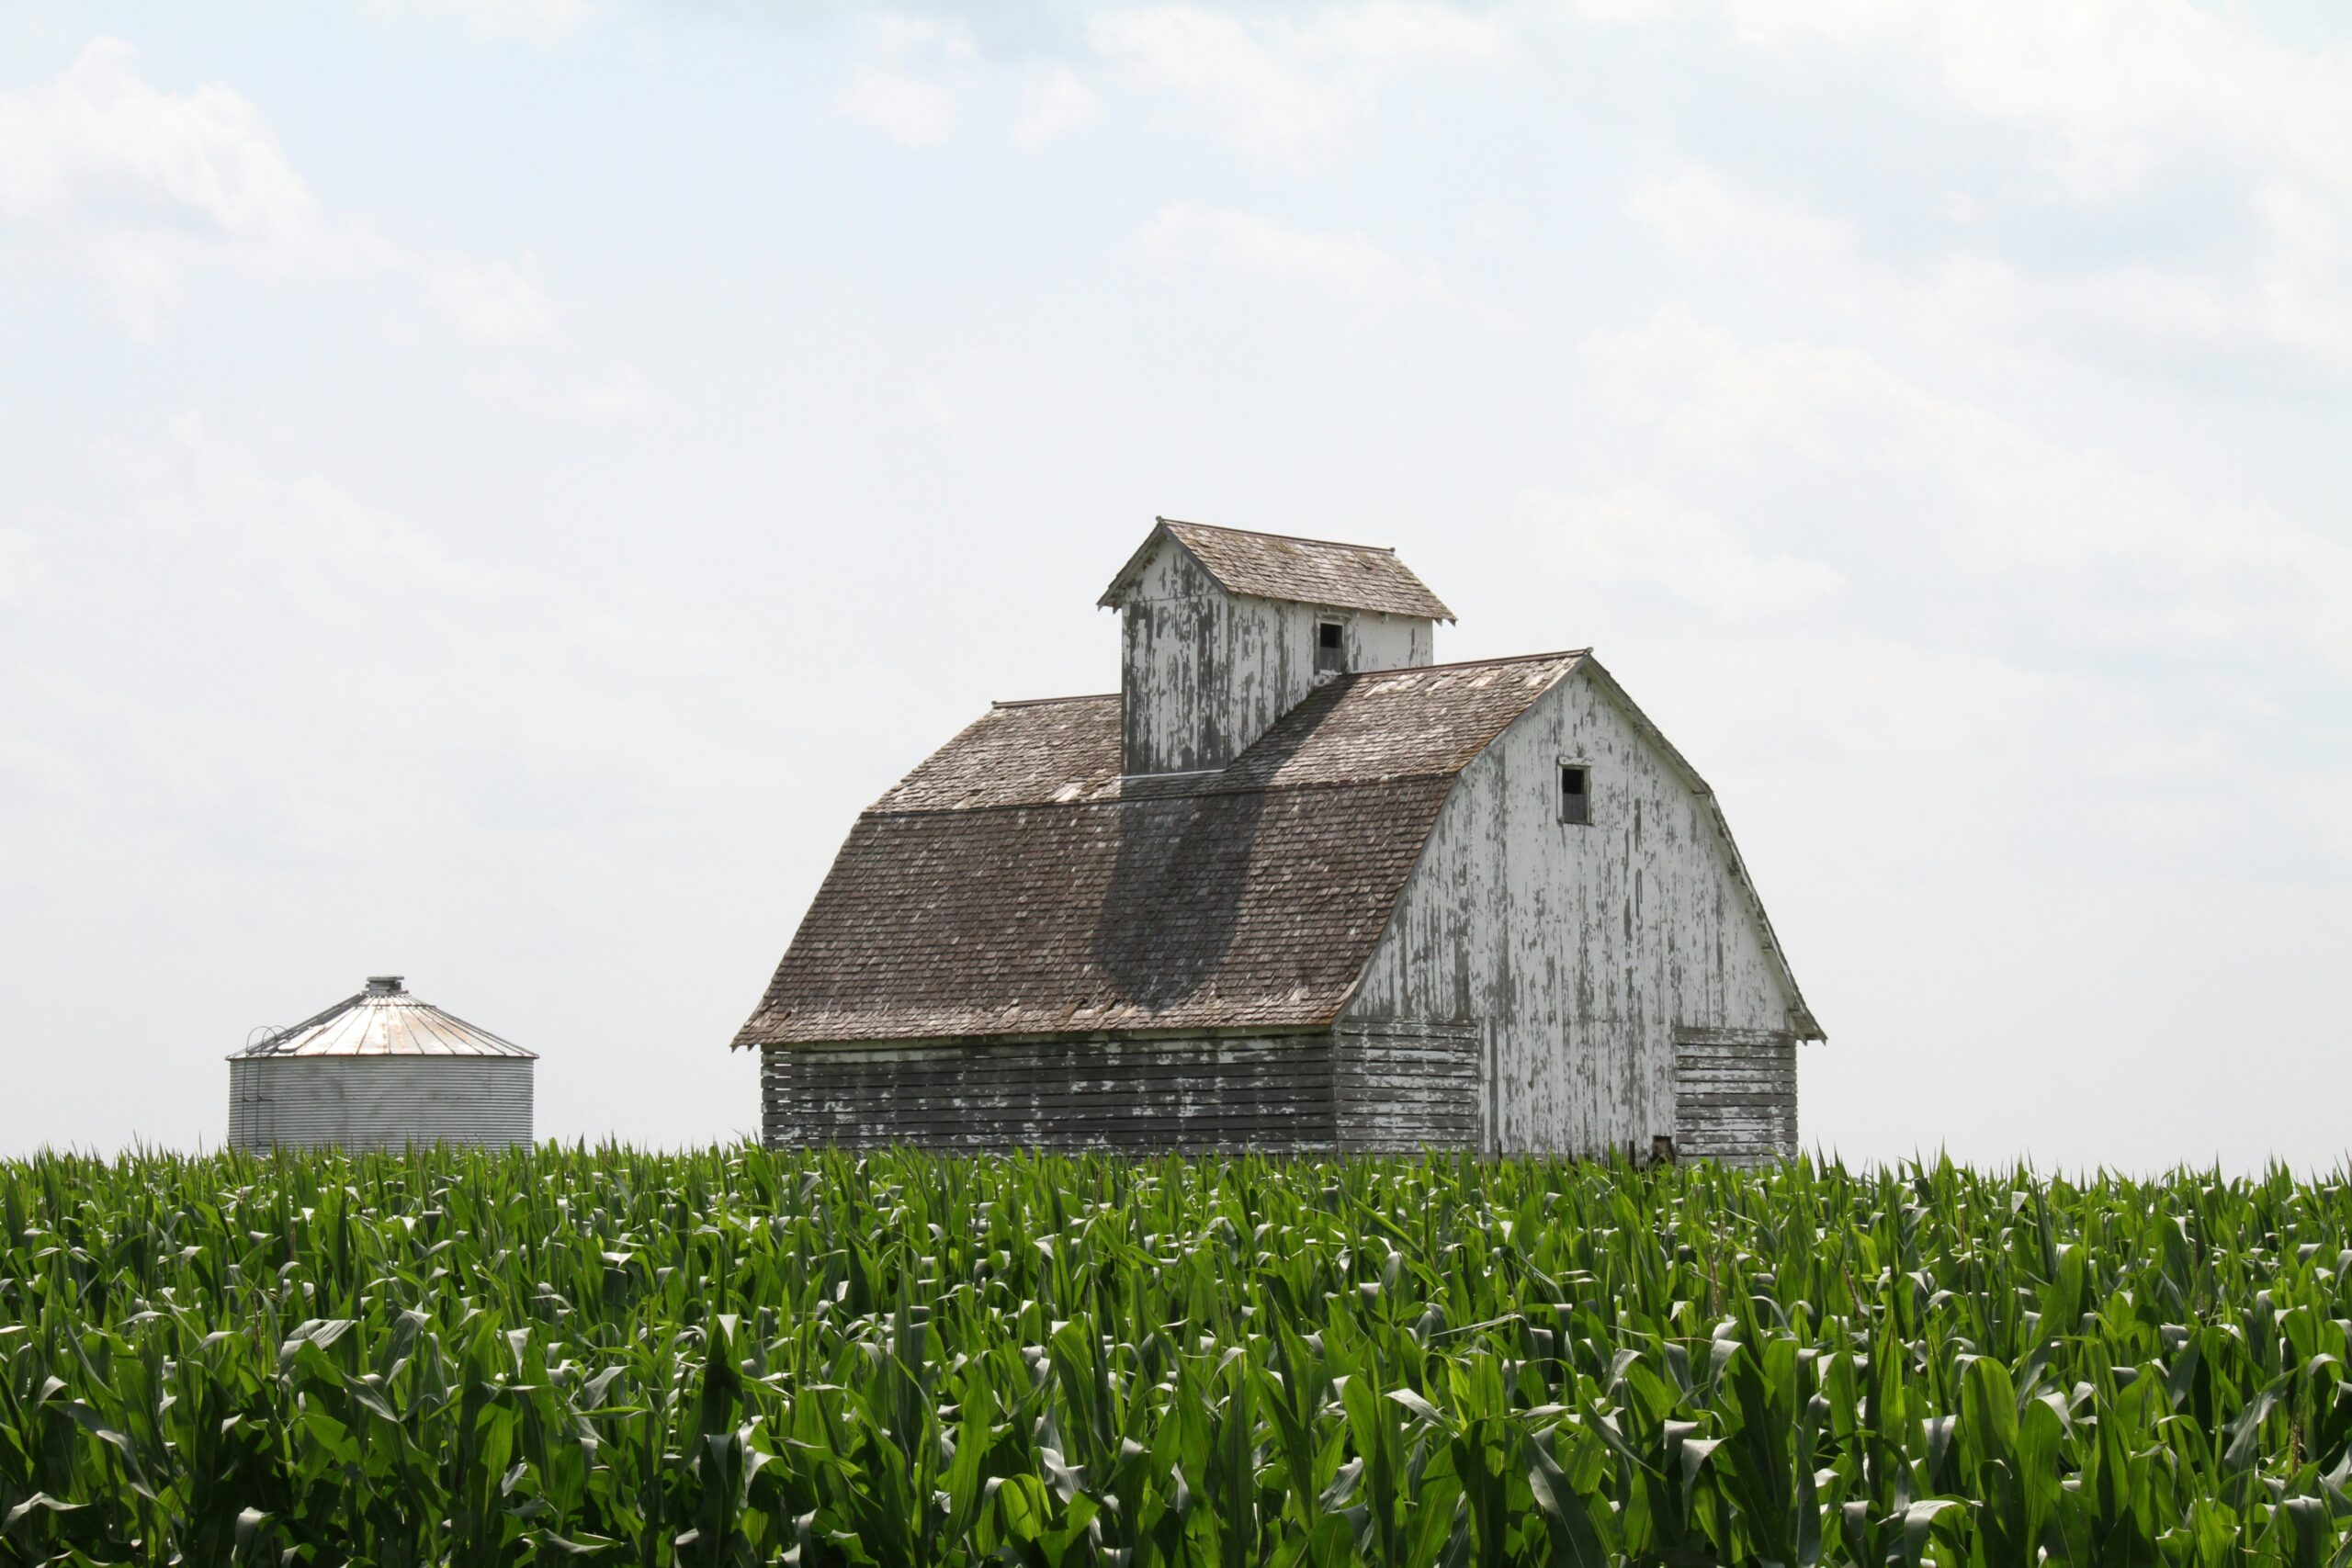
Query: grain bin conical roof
point(383, 1020)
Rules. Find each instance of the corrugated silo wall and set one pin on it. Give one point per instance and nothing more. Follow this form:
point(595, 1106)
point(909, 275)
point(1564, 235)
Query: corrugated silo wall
point(379, 1102)
point(1400, 1088)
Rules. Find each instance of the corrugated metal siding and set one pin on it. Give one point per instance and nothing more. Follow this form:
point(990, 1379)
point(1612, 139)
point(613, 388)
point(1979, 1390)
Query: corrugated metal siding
point(378, 1102)
point(1735, 1096)
point(1273, 1093)
point(1408, 1087)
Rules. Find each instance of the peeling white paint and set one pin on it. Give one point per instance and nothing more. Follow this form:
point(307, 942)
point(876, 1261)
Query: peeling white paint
point(1581, 952)
point(1205, 673)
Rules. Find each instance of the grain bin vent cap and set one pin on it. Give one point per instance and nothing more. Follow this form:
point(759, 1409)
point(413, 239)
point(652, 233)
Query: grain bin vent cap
point(383, 1020)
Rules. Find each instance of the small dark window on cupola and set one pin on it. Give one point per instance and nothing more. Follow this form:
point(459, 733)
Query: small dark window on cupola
point(1575, 799)
point(1331, 649)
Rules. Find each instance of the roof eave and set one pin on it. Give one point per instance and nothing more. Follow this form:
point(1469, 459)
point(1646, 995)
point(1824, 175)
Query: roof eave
point(1039, 1036)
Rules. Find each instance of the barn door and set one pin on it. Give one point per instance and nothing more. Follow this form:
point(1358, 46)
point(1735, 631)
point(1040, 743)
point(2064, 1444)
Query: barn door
point(1735, 1096)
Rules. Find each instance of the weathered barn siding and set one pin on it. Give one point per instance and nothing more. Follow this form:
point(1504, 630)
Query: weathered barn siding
point(1581, 950)
point(1207, 671)
point(378, 1102)
point(1405, 1086)
point(1735, 1095)
point(1272, 1092)
point(1375, 1086)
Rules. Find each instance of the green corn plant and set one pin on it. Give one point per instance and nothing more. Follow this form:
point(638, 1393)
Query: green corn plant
point(733, 1355)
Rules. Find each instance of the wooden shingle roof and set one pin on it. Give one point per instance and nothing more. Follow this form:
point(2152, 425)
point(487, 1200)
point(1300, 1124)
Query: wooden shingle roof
point(1276, 566)
point(1015, 884)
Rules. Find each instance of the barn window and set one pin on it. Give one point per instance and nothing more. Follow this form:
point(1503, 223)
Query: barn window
point(1575, 799)
point(1331, 649)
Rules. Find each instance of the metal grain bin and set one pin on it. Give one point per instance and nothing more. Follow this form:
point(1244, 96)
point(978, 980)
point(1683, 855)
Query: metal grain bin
point(380, 1070)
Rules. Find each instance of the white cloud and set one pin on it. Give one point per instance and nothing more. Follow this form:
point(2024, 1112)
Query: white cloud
point(359, 667)
point(495, 304)
point(2004, 533)
point(281, 538)
point(104, 176)
point(19, 568)
point(1288, 93)
point(1350, 268)
point(2111, 96)
point(1625, 13)
point(2012, 728)
point(513, 385)
point(901, 35)
point(907, 109)
point(1637, 536)
point(1054, 103)
point(2117, 83)
point(2284, 308)
point(1247, 93)
point(539, 21)
point(1385, 29)
point(1706, 220)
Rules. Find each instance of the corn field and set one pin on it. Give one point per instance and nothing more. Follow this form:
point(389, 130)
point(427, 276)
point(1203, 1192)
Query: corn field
point(737, 1357)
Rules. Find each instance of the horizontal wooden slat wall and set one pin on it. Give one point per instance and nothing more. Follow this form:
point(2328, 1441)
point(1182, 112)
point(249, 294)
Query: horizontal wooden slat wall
point(1270, 1092)
point(1735, 1097)
point(1408, 1087)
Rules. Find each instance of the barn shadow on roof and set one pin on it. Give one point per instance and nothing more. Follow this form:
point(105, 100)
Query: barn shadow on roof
point(1182, 884)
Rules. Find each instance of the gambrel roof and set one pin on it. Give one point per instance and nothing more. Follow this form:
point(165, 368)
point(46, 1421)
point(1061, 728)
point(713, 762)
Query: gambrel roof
point(1015, 884)
point(1275, 566)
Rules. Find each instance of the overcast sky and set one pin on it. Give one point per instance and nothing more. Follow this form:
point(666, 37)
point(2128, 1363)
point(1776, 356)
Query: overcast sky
point(488, 490)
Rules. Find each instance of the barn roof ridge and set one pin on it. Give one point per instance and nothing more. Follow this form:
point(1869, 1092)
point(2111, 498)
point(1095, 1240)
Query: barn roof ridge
point(1288, 569)
point(1267, 533)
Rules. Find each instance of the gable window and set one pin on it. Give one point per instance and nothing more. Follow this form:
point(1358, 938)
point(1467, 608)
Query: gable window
point(1576, 795)
point(1331, 649)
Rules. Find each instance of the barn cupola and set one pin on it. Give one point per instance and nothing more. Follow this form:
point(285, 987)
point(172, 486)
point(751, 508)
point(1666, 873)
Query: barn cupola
point(1223, 631)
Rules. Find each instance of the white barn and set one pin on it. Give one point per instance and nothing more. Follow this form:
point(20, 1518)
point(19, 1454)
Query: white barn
point(381, 1069)
point(1294, 886)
